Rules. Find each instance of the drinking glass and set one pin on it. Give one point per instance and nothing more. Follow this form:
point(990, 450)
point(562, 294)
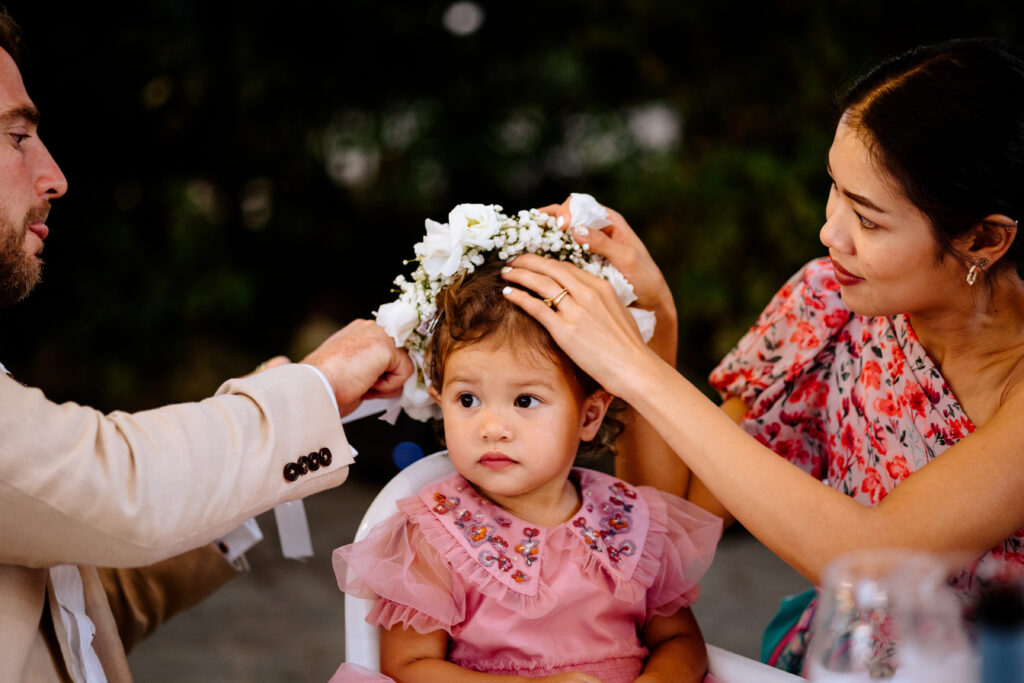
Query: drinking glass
point(889, 615)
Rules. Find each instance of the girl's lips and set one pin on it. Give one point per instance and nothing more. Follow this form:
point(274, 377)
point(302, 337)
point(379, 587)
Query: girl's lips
point(845, 277)
point(496, 461)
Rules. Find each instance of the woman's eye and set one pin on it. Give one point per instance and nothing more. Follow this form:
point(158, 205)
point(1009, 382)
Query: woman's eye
point(468, 400)
point(526, 401)
point(866, 223)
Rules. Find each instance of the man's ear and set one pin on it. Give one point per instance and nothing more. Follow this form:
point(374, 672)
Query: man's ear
point(594, 408)
point(989, 240)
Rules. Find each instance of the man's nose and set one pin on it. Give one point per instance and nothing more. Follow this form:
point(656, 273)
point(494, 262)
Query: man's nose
point(50, 180)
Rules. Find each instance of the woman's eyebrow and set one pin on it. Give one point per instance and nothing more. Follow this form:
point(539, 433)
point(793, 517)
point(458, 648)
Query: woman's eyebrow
point(863, 201)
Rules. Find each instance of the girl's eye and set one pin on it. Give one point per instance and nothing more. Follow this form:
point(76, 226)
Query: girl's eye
point(526, 401)
point(468, 400)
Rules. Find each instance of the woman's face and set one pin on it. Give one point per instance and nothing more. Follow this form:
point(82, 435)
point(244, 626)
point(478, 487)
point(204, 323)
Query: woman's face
point(886, 257)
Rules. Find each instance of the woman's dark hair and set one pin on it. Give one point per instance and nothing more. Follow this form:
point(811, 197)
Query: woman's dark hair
point(946, 121)
point(472, 308)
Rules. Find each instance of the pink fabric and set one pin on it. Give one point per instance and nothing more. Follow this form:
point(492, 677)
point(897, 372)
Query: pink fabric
point(563, 603)
point(855, 401)
point(353, 673)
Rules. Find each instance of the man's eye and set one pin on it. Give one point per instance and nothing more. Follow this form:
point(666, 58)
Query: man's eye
point(19, 137)
point(468, 400)
point(526, 401)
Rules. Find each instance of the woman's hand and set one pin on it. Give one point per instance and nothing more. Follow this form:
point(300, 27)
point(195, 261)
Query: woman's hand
point(620, 245)
point(588, 322)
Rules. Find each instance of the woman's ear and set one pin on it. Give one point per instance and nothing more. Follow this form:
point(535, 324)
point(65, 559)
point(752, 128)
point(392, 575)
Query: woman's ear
point(594, 408)
point(989, 239)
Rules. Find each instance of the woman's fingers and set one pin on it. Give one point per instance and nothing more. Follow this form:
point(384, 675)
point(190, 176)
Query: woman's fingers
point(622, 256)
point(542, 284)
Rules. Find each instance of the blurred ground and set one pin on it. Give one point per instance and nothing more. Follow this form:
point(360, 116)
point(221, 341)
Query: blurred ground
point(284, 620)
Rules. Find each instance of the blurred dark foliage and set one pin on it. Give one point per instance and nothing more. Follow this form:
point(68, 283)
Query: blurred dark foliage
point(244, 177)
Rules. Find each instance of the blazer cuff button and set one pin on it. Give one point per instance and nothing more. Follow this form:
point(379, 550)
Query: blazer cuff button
point(326, 457)
point(314, 461)
point(291, 472)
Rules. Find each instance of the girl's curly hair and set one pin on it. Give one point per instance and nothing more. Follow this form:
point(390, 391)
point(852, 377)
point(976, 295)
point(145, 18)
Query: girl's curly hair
point(472, 308)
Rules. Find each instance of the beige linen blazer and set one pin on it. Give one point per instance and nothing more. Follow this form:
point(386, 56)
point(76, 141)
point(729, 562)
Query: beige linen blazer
point(131, 490)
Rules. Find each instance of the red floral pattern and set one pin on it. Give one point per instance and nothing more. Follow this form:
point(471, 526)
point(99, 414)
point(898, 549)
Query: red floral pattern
point(852, 400)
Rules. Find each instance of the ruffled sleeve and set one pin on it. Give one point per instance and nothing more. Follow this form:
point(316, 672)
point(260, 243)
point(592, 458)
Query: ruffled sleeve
point(800, 323)
point(681, 544)
point(780, 367)
point(396, 565)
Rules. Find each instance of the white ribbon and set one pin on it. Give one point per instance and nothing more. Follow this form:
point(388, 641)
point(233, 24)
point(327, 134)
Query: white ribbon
point(70, 594)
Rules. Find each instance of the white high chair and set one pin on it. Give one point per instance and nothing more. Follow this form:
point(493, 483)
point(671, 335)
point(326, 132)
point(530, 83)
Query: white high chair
point(362, 641)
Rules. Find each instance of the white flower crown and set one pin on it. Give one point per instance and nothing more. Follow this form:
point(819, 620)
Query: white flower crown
point(462, 244)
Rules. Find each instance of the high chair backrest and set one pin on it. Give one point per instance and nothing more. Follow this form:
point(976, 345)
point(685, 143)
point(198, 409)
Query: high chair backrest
point(362, 641)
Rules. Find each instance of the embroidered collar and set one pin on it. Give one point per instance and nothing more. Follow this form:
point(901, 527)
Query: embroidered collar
point(612, 521)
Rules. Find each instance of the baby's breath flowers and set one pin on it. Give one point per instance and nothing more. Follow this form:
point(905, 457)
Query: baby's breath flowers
point(472, 232)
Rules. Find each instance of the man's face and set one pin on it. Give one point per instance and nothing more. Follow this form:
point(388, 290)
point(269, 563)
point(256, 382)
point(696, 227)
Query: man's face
point(29, 179)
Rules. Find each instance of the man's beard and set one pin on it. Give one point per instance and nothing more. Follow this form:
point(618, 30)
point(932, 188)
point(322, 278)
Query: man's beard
point(19, 272)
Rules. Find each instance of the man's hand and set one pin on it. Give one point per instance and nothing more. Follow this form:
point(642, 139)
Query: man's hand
point(361, 361)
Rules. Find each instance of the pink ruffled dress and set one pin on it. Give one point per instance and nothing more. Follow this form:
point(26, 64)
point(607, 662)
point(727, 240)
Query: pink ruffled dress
point(518, 598)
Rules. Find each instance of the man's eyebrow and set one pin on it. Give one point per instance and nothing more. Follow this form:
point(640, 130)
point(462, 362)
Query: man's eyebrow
point(863, 201)
point(25, 113)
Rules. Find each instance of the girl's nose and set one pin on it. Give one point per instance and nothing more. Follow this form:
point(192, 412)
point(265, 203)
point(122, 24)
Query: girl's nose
point(494, 426)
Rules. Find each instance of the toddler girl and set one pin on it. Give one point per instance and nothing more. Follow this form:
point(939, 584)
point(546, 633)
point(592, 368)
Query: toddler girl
point(521, 565)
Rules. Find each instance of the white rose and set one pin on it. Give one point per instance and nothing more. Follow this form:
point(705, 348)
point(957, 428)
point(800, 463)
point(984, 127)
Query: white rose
point(475, 225)
point(645, 320)
point(417, 402)
point(398, 319)
point(620, 284)
point(440, 251)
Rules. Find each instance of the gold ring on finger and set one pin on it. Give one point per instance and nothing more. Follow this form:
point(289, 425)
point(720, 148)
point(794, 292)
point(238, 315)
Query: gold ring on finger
point(553, 301)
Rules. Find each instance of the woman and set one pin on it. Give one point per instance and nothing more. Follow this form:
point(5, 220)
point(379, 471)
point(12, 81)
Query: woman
point(905, 344)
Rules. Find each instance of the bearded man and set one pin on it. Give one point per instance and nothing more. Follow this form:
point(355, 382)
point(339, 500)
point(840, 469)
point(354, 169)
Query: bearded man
point(106, 521)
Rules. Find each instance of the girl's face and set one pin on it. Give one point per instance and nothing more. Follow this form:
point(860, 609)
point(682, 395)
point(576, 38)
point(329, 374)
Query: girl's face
point(882, 246)
point(513, 421)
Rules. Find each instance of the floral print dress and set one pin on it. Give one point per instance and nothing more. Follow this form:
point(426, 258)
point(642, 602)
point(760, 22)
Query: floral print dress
point(854, 401)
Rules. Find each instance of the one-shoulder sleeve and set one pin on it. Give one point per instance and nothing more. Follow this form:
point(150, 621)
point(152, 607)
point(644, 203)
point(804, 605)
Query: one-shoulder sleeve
point(777, 369)
point(398, 567)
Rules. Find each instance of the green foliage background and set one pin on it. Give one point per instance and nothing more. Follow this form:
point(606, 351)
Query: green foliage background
point(246, 176)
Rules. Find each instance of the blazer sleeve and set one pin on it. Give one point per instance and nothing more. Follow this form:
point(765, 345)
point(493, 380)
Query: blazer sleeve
point(128, 490)
point(142, 599)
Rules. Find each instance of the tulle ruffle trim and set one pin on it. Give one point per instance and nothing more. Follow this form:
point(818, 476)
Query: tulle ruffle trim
point(421, 572)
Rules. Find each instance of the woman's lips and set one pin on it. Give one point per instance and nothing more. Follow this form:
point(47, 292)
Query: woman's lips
point(496, 461)
point(845, 277)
